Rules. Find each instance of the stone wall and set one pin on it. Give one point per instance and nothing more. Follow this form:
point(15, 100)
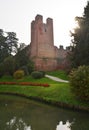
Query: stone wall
point(45, 55)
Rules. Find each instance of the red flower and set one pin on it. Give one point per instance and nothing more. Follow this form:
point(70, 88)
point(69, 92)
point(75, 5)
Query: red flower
point(24, 83)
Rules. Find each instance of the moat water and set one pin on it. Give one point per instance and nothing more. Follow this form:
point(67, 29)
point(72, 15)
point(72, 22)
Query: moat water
point(17, 113)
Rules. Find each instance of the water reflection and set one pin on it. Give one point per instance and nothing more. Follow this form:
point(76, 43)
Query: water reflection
point(62, 126)
point(17, 124)
point(18, 113)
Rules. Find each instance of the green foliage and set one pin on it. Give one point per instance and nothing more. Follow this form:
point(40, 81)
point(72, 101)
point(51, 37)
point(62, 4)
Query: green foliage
point(86, 10)
point(22, 61)
point(8, 44)
point(12, 42)
point(57, 92)
point(9, 65)
point(3, 46)
point(30, 66)
point(59, 73)
point(80, 48)
point(18, 74)
point(43, 73)
point(1, 69)
point(25, 69)
point(37, 74)
point(21, 58)
point(79, 80)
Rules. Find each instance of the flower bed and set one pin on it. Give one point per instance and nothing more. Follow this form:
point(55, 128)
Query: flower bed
point(24, 83)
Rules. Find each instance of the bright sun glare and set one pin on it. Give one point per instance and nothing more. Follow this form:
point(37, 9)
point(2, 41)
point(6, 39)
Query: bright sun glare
point(67, 23)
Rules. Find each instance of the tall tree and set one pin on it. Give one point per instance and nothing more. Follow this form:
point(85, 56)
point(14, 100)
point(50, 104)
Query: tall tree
point(8, 44)
point(12, 42)
point(80, 49)
point(3, 46)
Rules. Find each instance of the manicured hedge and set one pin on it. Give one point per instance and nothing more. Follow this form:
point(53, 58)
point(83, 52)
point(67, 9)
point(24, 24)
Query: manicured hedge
point(37, 74)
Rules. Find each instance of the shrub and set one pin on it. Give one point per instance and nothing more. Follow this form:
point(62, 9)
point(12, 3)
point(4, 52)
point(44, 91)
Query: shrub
point(1, 69)
point(30, 67)
point(25, 69)
point(36, 74)
point(79, 80)
point(43, 73)
point(9, 65)
point(19, 74)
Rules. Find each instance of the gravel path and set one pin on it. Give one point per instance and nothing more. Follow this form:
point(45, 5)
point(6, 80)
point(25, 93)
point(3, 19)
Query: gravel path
point(56, 79)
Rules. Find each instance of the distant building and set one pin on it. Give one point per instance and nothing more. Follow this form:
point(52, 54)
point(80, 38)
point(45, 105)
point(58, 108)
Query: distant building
point(45, 55)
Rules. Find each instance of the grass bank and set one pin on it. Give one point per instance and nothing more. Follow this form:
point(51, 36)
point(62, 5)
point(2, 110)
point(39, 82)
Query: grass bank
point(59, 73)
point(58, 93)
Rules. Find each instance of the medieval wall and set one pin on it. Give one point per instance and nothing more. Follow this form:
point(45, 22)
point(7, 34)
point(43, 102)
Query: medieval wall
point(42, 50)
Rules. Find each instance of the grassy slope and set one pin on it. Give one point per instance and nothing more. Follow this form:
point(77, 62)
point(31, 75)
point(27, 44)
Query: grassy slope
point(60, 74)
point(59, 92)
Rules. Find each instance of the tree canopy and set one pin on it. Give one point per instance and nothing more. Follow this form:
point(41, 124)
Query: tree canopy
point(13, 55)
point(8, 44)
point(80, 48)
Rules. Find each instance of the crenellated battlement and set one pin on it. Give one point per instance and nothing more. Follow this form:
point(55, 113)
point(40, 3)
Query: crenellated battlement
point(39, 17)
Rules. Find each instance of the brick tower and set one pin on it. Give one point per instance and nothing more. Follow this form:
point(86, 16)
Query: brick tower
point(45, 55)
point(42, 49)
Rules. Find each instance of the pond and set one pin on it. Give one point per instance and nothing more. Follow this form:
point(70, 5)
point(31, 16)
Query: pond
point(17, 113)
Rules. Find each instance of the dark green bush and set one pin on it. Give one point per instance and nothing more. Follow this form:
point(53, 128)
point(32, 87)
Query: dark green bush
point(43, 73)
point(25, 69)
point(37, 74)
point(9, 65)
point(1, 69)
point(79, 80)
point(18, 74)
point(30, 67)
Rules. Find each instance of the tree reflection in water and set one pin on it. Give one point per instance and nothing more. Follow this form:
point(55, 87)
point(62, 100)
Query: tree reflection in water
point(17, 113)
point(66, 126)
point(18, 124)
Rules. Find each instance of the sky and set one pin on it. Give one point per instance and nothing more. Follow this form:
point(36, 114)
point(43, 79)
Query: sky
point(17, 15)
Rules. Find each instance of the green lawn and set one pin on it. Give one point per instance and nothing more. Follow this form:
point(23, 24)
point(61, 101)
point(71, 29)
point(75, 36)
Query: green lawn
point(59, 73)
point(57, 92)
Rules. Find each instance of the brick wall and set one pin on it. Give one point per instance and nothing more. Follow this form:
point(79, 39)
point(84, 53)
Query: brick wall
point(45, 55)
